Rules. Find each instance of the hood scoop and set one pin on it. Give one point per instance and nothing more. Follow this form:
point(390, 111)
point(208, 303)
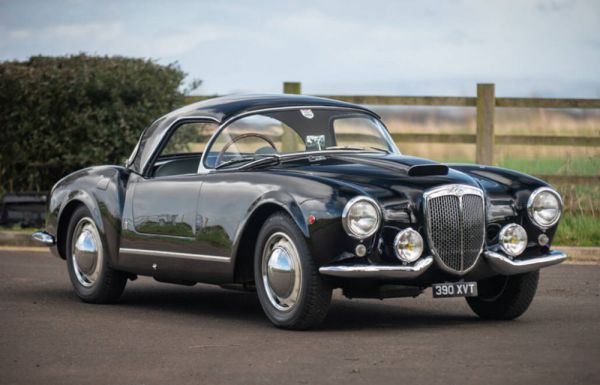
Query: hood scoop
point(411, 166)
point(428, 170)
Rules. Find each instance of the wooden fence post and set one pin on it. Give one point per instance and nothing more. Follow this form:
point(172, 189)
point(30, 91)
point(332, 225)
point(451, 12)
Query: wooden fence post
point(486, 102)
point(292, 88)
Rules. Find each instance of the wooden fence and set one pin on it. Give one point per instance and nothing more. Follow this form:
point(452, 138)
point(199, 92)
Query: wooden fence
point(486, 103)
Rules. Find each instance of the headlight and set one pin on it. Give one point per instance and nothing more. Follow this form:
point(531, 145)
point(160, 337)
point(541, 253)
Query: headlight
point(544, 207)
point(513, 239)
point(361, 217)
point(408, 245)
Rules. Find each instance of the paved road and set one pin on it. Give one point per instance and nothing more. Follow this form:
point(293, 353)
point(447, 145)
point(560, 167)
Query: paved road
point(162, 334)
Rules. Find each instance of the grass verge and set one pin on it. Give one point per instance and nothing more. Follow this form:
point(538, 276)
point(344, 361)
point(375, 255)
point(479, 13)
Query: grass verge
point(578, 230)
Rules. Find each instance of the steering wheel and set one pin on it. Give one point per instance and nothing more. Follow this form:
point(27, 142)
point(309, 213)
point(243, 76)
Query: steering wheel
point(237, 139)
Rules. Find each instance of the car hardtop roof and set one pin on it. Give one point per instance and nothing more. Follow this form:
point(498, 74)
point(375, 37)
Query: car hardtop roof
point(221, 109)
point(225, 107)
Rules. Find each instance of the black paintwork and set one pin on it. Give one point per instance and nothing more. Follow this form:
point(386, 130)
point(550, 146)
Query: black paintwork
point(219, 213)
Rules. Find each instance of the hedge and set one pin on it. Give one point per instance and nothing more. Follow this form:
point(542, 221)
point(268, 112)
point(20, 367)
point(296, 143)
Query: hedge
point(60, 114)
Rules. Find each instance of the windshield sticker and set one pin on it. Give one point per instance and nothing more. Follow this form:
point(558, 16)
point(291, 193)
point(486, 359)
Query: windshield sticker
point(315, 142)
point(307, 113)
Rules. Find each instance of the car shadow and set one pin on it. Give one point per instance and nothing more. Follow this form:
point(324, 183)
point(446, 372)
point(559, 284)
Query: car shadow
point(406, 313)
point(218, 303)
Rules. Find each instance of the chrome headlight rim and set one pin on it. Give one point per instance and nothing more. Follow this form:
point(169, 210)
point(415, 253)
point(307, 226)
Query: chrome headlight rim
point(504, 248)
point(346, 211)
point(531, 200)
point(397, 241)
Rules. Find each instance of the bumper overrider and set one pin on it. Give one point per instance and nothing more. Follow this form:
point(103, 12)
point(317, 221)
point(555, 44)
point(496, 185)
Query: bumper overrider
point(499, 262)
point(44, 238)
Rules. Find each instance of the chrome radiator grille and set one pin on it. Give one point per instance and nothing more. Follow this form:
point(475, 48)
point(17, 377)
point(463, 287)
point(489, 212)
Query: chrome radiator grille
point(455, 219)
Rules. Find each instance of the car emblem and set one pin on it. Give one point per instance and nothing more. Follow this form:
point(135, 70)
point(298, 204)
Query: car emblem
point(457, 190)
point(307, 113)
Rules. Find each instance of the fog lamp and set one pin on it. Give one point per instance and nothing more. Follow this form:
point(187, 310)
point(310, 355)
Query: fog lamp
point(408, 245)
point(513, 239)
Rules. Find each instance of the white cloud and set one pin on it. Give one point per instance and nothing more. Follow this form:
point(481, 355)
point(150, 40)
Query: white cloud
point(348, 44)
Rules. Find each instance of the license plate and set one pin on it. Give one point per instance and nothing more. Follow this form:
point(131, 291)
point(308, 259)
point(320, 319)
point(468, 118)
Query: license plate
point(454, 289)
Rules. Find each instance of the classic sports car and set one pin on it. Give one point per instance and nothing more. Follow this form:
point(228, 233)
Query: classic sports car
point(293, 196)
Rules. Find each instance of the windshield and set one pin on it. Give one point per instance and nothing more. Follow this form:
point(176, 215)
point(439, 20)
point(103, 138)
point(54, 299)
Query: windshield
point(295, 131)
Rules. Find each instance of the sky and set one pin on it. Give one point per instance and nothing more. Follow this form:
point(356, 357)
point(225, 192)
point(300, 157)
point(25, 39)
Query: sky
point(545, 48)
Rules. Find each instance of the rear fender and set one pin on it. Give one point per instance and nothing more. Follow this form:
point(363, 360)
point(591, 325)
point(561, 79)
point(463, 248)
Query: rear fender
point(101, 191)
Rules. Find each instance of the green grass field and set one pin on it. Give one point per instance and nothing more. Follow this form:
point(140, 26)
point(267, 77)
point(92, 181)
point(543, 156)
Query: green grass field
point(578, 230)
point(574, 166)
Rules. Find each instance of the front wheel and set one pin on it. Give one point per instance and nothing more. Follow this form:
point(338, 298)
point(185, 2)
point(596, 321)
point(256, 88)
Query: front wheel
point(504, 297)
point(291, 291)
point(93, 280)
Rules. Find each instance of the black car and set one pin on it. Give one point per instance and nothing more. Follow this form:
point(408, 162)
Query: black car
point(293, 196)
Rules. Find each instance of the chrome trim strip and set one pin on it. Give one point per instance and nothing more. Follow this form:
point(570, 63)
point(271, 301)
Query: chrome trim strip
point(43, 237)
point(458, 190)
point(378, 271)
point(503, 265)
point(158, 253)
point(530, 206)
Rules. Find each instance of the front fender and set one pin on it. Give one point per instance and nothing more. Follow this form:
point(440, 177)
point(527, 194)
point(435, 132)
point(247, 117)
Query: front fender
point(266, 204)
point(501, 184)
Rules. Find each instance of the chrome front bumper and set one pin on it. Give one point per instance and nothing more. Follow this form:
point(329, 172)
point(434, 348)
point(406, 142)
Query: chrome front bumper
point(500, 263)
point(378, 271)
point(504, 265)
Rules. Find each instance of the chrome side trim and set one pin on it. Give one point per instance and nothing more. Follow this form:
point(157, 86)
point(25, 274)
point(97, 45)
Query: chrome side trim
point(503, 265)
point(158, 253)
point(378, 271)
point(43, 237)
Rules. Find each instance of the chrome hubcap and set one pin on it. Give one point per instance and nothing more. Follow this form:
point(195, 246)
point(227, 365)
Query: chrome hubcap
point(281, 271)
point(86, 252)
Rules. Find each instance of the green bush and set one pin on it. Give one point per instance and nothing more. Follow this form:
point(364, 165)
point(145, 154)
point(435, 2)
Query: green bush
point(60, 114)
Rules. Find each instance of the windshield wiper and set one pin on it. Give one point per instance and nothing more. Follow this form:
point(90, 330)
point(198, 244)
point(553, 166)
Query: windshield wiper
point(358, 148)
point(266, 160)
point(252, 161)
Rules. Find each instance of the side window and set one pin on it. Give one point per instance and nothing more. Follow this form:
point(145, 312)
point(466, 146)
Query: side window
point(189, 138)
point(183, 150)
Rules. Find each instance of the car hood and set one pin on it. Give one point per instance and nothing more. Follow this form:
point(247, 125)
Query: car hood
point(385, 177)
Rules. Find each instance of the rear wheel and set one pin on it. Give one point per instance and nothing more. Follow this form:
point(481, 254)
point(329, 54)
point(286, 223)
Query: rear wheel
point(93, 280)
point(504, 297)
point(291, 291)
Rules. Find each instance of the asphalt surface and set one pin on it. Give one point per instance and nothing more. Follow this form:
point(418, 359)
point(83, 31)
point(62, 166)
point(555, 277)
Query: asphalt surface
point(161, 333)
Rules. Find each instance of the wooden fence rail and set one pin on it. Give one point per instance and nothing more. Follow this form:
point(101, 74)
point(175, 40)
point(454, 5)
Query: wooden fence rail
point(485, 103)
